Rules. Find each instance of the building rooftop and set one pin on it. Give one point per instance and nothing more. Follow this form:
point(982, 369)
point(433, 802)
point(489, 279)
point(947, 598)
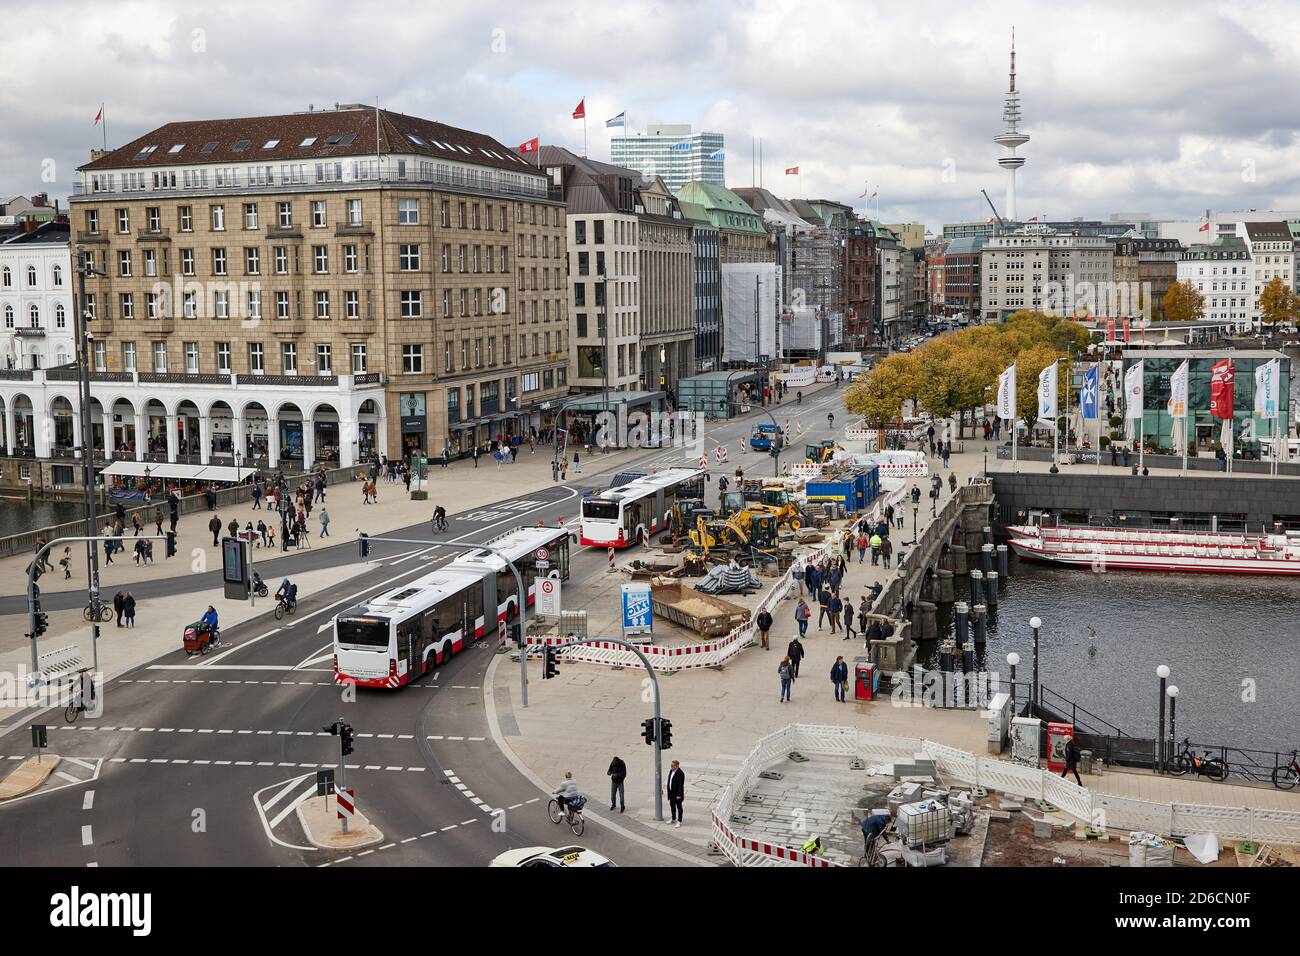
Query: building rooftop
point(1268, 232)
point(316, 135)
point(47, 233)
point(725, 208)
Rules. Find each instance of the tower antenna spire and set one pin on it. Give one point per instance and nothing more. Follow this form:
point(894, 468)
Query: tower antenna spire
point(1011, 136)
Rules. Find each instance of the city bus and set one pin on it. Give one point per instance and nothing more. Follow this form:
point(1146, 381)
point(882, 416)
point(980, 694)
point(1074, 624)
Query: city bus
point(395, 637)
point(621, 516)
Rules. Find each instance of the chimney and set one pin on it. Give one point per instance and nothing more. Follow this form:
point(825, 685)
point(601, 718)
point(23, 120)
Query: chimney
point(29, 225)
point(41, 199)
point(98, 154)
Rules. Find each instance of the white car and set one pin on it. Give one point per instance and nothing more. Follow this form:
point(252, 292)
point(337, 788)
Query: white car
point(546, 856)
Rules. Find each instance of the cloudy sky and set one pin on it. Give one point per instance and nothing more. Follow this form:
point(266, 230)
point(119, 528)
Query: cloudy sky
point(1167, 108)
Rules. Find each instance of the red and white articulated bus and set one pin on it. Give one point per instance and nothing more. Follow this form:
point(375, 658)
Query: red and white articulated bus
point(621, 516)
point(397, 636)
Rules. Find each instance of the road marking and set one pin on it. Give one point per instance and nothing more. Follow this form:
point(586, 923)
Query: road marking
point(66, 776)
point(212, 660)
point(88, 801)
point(86, 837)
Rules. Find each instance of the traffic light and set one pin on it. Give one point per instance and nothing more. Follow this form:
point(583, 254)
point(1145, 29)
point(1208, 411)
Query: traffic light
point(345, 739)
point(35, 570)
point(171, 544)
point(40, 620)
point(516, 630)
point(363, 545)
point(549, 669)
point(665, 733)
point(648, 730)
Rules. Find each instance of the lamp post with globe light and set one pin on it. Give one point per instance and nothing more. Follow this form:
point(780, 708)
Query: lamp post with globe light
point(1163, 673)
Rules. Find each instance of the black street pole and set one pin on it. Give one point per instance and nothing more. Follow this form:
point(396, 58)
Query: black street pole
point(1163, 673)
point(1034, 625)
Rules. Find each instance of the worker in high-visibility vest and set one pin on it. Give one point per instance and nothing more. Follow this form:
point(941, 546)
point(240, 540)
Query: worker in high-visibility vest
point(813, 847)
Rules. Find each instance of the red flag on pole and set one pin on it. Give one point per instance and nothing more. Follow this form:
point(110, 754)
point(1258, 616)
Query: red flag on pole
point(1126, 330)
point(1110, 330)
point(98, 116)
point(792, 171)
point(529, 147)
point(1205, 227)
point(1222, 389)
point(581, 111)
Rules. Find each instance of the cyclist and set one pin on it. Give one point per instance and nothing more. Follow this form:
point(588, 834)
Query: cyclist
point(209, 623)
point(567, 794)
point(288, 593)
point(440, 518)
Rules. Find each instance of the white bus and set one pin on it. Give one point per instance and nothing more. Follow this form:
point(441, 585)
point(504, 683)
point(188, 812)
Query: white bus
point(622, 515)
point(397, 636)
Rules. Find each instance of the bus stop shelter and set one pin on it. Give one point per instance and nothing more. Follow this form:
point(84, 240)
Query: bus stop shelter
point(721, 393)
point(582, 415)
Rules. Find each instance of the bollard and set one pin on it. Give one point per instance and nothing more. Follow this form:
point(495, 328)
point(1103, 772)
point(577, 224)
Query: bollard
point(962, 611)
point(1003, 562)
point(986, 558)
point(926, 624)
point(946, 653)
point(988, 535)
point(978, 614)
point(991, 589)
point(977, 587)
point(943, 586)
point(957, 553)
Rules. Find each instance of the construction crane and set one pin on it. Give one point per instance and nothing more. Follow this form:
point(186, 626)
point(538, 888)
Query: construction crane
point(993, 207)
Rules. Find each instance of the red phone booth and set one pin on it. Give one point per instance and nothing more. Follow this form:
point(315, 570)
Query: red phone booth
point(864, 679)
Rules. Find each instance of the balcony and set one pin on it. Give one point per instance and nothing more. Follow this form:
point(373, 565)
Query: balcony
point(30, 332)
point(157, 235)
point(283, 232)
point(354, 229)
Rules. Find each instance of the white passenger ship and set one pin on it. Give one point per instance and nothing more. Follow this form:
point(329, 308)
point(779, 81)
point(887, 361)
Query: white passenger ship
point(1146, 549)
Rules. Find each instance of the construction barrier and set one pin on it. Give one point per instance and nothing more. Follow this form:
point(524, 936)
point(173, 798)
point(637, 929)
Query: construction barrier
point(975, 770)
point(60, 661)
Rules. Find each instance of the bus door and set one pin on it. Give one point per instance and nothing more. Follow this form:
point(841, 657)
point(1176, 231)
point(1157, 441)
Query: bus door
point(491, 602)
point(428, 633)
point(656, 517)
point(408, 647)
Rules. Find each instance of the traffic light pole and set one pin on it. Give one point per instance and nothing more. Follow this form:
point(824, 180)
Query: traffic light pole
point(519, 583)
point(343, 772)
point(654, 680)
point(94, 593)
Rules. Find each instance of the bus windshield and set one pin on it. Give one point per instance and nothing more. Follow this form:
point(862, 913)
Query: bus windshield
point(595, 508)
point(362, 631)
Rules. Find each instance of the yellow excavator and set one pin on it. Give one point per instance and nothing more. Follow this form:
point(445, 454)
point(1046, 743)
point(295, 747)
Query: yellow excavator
point(775, 499)
point(743, 530)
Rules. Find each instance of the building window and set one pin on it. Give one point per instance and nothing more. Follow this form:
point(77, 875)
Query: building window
point(187, 262)
point(256, 358)
point(324, 359)
point(192, 358)
point(254, 305)
point(579, 232)
point(413, 359)
point(282, 305)
point(408, 258)
point(350, 258)
point(461, 215)
point(185, 216)
point(126, 303)
point(218, 262)
point(124, 262)
point(446, 257)
point(189, 304)
point(412, 305)
point(446, 356)
point(252, 261)
point(318, 213)
point(218, 218)
point(446, 303)
point(60, 316)
point(92, 221)
point(124, 220)
point(322, 305)
point(159, 356)
point(101, 356)
point(128, 356)
point(284, 214)
point(221, 304)
point(250, 215)
point(289, 358)
point(358, 358)
point(320, 259)
point(445, 215)
point(151, 262)
point(460, 259)
point(408, 212)
point(281, 260)
point(351, 304)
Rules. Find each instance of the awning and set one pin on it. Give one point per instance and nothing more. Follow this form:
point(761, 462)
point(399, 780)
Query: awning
point(136, 469)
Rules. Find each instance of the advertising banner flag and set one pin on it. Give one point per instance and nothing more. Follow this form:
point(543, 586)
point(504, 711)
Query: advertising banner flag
point(1088, 394)
point(1222, 389)
point(1133, 390)
point(1007, 394)
point(1047, 392)
point(1177, 404)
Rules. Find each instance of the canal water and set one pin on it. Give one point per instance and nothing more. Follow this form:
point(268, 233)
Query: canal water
point(1232, 645)
point(17, 516)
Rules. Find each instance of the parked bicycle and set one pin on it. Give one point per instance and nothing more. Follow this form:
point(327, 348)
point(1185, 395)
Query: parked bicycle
point(94, 608)
point(1287, 776)
point(1204, 766)
point(572, 813)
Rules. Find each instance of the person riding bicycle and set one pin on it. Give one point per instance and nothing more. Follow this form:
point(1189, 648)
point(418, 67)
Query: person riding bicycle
point(567, 794)
point(440, 518)
point(208, 622)
point(288, 593)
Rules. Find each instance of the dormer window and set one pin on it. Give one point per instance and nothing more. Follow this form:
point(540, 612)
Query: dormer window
point(240, 146)
point(146, 152)
point(271, 144)
point(309, 141)
point(209, 147)
point(175, 149)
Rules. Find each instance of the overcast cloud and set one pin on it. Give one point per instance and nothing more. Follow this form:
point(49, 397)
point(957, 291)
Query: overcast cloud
point(1167, 108)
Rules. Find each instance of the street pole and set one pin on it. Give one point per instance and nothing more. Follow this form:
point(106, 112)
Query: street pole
point(84, 338)
point(1163, 673)
point(654, 681)
point(1034, 624)
point(343, 774)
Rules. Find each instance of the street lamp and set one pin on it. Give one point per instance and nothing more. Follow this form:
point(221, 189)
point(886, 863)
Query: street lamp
point(1035, 623)
point(1163, 673)
point(915, 509)
point(1172, 693)
point(1012, 660)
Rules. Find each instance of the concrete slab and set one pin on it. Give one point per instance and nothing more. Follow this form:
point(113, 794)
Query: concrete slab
point(28, 776)
point(320, 823)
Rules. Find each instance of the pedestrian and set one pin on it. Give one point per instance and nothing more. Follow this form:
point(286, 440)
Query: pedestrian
point(476, 456)
point(564, 469)
point(847, 545)
point(795, 652)
point(785, 671)
point(215, 527)
point(233, 528)
point(835, 607)
point(875, 541)
point(886, 551)
point(320, 488)
point(257, 496)
point(874, 632)
point(157, 520)
point(863, 609)
point(446, 451)
point(850, 615)
point(119, 606)
point(140, 550)
point(324, 523)
point(65, 562)
point(947, 450)
point(1114, 455)
point(514, 451)
point(840, 678)
point(1071, 760)
point(617, 773)
point(577, 463)
point(128, 608)
point(210, 496)
point(810, 579)
point(270, 536)
point(676, 788)
point(108, 552)
point(823, 605)
point(801, 616)
point(862, 543)
point(764, 624)
point(137, 524)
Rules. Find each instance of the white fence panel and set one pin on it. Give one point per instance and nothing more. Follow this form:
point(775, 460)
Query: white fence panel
point(824, 740)
point(1068, 795)
point(1189, 818)
point(958, 764)
point(1010, 778)
point(1275, 826)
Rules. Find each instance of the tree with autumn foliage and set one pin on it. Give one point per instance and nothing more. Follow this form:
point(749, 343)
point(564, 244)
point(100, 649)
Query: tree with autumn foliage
point(1183, 303)
point(879, 395)
point(1277, 303)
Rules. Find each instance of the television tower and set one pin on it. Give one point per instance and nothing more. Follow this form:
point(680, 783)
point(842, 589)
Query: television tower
point(1011, 137)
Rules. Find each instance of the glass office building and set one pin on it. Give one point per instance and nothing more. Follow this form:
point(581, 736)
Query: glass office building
point(673, 153)
point(1204, 429)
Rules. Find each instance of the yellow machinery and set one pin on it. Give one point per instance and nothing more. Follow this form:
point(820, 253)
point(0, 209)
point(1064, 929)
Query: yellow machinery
point(775, 499)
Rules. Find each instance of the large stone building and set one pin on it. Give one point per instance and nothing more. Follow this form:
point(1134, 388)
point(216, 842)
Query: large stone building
point(1222, 271)
point(1151, 266)
point(317, 287)
point(706, 250)
point(1038, 268)
point(961, 277)
point(1272, 252)
point(36, 289)
point(667, 288)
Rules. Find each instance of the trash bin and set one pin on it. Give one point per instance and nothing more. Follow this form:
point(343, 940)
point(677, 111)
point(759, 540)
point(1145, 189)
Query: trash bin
point(1085, 761)
point(864, 679)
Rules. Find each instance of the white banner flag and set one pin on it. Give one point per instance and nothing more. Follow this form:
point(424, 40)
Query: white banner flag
point(1047, 393)
point(1007, 394)
point(1133, 391)
point(1268, 379)
point(1177, 404)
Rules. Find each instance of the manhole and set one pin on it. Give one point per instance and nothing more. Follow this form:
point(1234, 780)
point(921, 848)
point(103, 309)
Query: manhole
point(857, 764)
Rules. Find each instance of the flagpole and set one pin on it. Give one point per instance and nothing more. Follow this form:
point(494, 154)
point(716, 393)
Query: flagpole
point(1014, 429)
point(1096, 407)
point(1142, 439)
point(1186, 415)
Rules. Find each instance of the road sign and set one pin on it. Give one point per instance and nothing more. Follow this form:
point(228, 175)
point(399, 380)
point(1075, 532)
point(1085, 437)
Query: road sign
point(548, 597)
point(541, 554)
point(324, 782)
point(346, 801)
point(40, 739)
